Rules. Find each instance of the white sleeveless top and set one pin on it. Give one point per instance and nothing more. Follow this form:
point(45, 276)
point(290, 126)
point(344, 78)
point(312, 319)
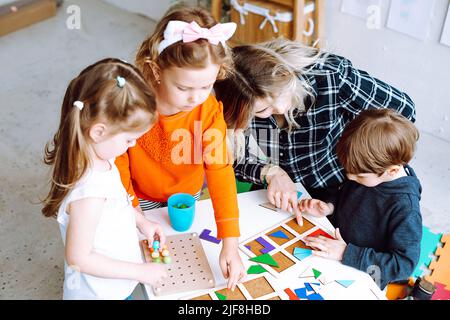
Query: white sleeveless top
point(116, 235)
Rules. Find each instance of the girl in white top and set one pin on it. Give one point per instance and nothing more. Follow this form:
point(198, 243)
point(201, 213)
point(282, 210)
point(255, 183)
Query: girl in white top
point(105, 109)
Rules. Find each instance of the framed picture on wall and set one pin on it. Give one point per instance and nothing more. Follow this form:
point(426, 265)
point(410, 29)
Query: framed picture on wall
point(411, 17)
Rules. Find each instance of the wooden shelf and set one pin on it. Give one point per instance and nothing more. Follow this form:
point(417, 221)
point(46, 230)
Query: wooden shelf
point(307, 14)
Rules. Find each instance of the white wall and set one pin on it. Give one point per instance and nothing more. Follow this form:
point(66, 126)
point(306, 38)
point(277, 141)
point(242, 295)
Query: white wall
point(421, 69)
point(154, 9)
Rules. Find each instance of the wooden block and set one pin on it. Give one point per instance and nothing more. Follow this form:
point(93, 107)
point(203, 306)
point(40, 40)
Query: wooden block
point(203, 297)
point(258, 287)
point(298, 244)
point(269, 206)
point(307, 225)
point(255, 247)
point(28, 12)
point(189, 269)
point(280, 241)
point(232, 295)
point(283, 262)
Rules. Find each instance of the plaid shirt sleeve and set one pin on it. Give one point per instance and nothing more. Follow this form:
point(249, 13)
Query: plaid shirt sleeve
point(359, 91)
point(249, 168)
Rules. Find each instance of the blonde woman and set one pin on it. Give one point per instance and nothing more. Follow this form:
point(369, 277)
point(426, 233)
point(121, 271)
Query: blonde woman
point(295, 102)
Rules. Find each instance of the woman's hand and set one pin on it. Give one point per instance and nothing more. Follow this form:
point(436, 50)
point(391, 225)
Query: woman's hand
point(328, 248)
point(231, 263)
point(281, 191)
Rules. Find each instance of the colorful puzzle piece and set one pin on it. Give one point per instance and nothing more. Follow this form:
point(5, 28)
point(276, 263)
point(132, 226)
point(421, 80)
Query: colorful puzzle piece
point(306, 273)
point(309, 286)
point(267, 246)
point(266, 259)
point(440, 270)
point(269, 206)
point(279, 234)
point(320, 232)
point(205, 235)
point(291, 295)
point(221, 296)
point(428, 246)
point(315, 296)
point(242, 186)
point(345, 283)
point(316, 273)
point(301, 253)
point(256, 269)
point(441, 293)
point(301, 293)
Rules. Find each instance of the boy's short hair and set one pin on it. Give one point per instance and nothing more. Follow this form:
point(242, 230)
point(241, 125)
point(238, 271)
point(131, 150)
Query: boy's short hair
point(375, 140)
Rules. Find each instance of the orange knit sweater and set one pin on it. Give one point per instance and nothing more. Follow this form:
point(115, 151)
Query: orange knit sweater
point(175, 155)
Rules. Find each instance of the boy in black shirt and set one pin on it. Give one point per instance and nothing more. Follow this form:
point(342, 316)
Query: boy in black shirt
point(376, 212)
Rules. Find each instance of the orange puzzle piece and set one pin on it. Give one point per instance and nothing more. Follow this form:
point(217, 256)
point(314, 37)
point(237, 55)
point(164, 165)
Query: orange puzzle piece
point(440, 268)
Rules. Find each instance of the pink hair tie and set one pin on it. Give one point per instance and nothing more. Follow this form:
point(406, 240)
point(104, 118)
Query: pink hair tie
point(188, 32)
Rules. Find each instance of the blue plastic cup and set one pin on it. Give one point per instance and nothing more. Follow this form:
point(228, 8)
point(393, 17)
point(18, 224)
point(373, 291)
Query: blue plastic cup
point(181, 218)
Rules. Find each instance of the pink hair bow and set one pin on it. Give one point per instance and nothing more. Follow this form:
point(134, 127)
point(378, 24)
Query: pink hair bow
point(189, 32)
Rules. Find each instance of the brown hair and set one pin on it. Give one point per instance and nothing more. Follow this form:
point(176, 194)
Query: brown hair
point(266, 70)
point(196, 54)
point(130, 108)
point(375, 140)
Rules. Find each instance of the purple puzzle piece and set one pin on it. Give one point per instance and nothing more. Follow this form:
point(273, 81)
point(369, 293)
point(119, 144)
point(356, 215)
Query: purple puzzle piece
point(248, 247)
point(267, 246)
point(205, 236)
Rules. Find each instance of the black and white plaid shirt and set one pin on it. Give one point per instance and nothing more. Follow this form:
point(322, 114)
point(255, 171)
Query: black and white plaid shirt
point(308, 153)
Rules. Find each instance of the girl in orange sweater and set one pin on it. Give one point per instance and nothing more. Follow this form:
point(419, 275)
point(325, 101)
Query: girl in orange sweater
point(181, 61)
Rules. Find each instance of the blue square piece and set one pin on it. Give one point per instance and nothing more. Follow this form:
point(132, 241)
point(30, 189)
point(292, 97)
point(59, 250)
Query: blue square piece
point(301, 293)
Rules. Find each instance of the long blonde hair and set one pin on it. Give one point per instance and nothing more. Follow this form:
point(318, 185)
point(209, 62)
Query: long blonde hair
point(266, 70)
point(196, 54)
point(128, 108)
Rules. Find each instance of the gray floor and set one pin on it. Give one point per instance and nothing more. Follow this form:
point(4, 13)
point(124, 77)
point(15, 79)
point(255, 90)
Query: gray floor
point(36, 65)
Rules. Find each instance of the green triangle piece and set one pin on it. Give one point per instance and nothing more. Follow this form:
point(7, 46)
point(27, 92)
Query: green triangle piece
point(317, 273)
point(221, 296)
point(266, 259)
point(256, 269)
point(243, 186)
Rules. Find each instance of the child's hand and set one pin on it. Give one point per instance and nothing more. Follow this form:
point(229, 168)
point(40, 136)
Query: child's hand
point(231, 263)
point(315, 207)
point(152, 231)
point(151, 273)
point(328, 248)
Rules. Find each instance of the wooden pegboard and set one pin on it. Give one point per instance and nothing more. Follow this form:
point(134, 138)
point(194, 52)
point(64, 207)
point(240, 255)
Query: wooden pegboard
point(189, 269)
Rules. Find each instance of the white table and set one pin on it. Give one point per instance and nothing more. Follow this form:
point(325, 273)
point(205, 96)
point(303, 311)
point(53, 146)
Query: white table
point(255, 219)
